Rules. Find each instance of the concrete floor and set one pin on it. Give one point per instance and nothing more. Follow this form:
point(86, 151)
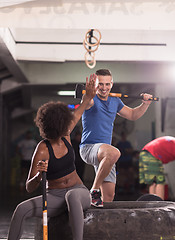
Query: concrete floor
point(9, 200)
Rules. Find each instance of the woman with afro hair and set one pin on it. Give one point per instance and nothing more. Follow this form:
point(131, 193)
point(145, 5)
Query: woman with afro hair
point(65, 189)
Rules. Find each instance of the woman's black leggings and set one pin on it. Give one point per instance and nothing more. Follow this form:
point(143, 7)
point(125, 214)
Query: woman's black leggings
point(75, 199)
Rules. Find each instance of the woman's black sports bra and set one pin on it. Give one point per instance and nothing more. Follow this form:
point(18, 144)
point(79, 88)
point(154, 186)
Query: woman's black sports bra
point(60, 167)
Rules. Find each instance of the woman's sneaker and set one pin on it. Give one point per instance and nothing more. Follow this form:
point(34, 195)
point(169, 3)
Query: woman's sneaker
point(96, 198)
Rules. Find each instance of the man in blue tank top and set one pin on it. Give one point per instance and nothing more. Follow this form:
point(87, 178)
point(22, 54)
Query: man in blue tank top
point(95, 147)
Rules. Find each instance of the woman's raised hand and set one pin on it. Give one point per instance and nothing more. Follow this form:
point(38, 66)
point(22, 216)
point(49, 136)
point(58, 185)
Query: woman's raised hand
point(91, 86)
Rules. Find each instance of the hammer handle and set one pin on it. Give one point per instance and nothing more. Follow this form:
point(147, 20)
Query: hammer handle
point(44, 197)
point(120, 95)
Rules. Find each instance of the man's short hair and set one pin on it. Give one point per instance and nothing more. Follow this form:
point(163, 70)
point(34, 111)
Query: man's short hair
point(103, 72)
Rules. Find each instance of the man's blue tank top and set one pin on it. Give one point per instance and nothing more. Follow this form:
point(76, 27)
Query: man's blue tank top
point(99, 119)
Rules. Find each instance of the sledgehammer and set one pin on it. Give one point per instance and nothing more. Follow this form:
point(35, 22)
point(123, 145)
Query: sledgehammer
point(80, 90)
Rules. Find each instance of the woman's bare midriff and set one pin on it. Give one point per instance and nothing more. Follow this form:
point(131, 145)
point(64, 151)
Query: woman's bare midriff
point(65, 182)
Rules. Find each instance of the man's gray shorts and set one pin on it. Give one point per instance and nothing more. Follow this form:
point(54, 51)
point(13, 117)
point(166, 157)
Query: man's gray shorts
point(89, 153)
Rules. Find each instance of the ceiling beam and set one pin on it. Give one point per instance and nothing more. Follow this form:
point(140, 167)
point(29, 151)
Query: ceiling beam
point(10, 63)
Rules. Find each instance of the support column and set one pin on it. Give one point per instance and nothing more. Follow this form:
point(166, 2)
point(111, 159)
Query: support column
point(1, 139)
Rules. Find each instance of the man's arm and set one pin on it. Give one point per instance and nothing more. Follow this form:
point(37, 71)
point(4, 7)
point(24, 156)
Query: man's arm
point(137, 112)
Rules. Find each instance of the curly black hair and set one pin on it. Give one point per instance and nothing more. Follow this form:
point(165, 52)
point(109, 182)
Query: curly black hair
point(53, 119)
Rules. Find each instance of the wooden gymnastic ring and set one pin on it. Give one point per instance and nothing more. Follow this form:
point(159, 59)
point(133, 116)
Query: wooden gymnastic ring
point(88, 36)
point(91, 66)
point(90, 50)
point(92, 44)
point(88, 62)
point(92, 55)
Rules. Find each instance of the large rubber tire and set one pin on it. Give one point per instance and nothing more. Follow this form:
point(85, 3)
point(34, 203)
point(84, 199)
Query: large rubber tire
point(149, 197)
point(120, 220)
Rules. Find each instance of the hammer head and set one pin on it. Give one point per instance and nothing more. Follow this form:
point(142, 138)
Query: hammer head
point(78, 90)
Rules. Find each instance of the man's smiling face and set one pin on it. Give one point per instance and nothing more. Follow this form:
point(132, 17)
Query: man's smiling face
point(104, 85)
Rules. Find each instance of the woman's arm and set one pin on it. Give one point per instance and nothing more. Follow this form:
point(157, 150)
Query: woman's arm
point(86, 100)
point(37, 167)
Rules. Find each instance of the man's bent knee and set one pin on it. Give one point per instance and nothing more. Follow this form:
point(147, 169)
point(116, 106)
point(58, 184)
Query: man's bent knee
point(109, 152)
point(115, 155)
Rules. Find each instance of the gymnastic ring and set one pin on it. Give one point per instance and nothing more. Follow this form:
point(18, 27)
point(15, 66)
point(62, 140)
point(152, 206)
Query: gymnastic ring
point(90, 50)
point(91, 66)
point(88, 62)
point(91, 55)
point(88, 36)
point(92, 44)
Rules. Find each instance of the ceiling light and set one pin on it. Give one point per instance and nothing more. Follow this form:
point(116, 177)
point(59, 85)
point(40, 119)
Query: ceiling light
point(66, 93)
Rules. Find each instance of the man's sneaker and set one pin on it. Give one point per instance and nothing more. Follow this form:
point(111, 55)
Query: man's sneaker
point(96, 198)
